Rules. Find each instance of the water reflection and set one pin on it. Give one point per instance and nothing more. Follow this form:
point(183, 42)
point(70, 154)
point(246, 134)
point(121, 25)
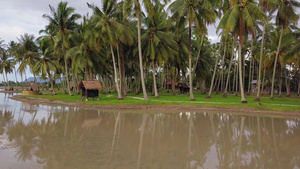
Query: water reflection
point(40, 136)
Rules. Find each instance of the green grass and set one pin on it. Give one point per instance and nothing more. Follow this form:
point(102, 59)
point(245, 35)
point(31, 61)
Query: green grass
point(276, 104)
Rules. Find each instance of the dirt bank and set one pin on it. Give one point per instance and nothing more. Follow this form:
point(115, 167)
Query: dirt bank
point(161, 108)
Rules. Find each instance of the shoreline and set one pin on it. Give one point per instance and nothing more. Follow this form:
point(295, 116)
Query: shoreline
point(162, 108)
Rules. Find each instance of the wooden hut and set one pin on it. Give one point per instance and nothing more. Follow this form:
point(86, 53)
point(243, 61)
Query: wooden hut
point(32, 89)
point(183, 87)
point(169, 84)
point(90, 89)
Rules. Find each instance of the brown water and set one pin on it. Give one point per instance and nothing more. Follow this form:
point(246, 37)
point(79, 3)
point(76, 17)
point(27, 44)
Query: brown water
point(56, 137)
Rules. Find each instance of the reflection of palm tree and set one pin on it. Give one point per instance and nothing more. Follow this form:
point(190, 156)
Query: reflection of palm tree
point(142, 129)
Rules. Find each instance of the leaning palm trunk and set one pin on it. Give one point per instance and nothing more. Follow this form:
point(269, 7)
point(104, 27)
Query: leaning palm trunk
point(51, 82)
point(222, 68)
point(4, 81)
point(260, 64)
point(229, 69)
point(16, 78)
point(138, 15)
point(116, 74)
point(154, 81)
point(190, 61)
point(275, 63)
point(198, 57)
point(214, 75)
point(66, 69)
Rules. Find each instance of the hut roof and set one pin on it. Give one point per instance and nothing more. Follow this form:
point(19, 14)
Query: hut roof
point(31, 84)
point(72, 84)
point(184, 85)
point(90, 85)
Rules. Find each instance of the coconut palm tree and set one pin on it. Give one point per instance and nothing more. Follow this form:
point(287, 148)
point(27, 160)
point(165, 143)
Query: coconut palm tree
point(48, 62)
point(63, 21)
point(197, 13)
point(6, 64)
point(240, 18)
point(286, 15)
point(28, 52)
point(110, 32)
point(138, 11)
point(156, 40)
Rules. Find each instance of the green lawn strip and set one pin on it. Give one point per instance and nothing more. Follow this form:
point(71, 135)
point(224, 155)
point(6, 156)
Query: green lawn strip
point(279, 104)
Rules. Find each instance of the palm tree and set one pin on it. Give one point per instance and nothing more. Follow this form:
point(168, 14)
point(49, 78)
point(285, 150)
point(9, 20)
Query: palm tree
point(110, 32)
point(48, 62)
point(28, 52)
point(138, 15)
point(63, 21)
point(285, 15)
point(6, 64)
point(241, 18)
point(197, 12)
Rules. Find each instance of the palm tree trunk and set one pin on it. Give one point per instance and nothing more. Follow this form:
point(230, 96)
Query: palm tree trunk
point(116, 74)
point(298, 93)
point(263, 81)
point(120, 74)
point(260, 64)
point(280, 83)
point(275, 63)
point(4, 80)
point(288, 94)
point(251, 58)
point(214, 75)
point(66, 68)
point(222, 66)
point(198, 57)
point(7, 80)
point(229, 69)
point(138, 15)
point(16, 78)
point(154, 81)
point(51, 82)
point(240, 75)
point(190, 61)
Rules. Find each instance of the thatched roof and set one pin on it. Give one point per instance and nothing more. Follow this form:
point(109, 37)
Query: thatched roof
point(184, 85)
point(31, 84)
point(90, 85)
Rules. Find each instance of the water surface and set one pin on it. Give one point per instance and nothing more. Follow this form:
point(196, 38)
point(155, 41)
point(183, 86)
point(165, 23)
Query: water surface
point(35, 136)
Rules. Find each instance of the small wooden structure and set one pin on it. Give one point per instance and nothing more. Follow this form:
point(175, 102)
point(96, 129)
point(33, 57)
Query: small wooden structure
point(32, 89)
point(169, 84)
point(183, 87)
point(90, 89)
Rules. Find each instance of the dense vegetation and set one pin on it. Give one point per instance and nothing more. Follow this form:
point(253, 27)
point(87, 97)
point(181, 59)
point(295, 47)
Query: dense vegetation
point(134, 46)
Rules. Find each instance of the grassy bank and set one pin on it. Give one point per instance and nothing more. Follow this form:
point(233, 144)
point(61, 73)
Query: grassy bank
point(276, 104)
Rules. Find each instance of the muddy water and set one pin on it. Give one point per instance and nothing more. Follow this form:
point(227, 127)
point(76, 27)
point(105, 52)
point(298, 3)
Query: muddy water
point(56, 137)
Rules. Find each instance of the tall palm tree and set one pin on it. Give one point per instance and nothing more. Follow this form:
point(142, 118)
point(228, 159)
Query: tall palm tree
point(63, 21)
point(48, 62)
point(286, 15)
point(156, 40)
point(138, 11)
point(28, 52)
point(6, 64)
point(110, 32)
point(198, 13)
point(241, 18)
